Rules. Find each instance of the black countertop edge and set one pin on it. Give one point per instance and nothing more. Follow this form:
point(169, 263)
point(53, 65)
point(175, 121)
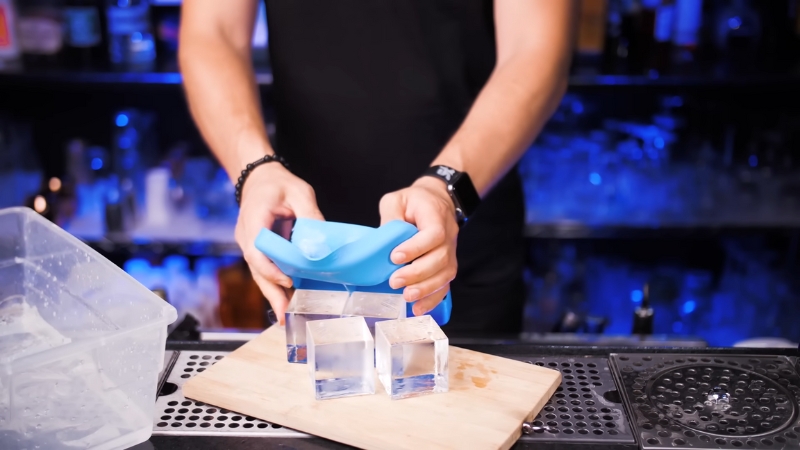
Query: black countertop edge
point(314, 443)
point(521, 349)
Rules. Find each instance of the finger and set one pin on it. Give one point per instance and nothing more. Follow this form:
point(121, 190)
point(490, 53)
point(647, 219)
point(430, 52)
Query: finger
point(275, 295)
point(261, 265)
point(307, 211)
point(428, 303)
point(391, 208)
point(421, 243)
point(422, 268)
point(305, 205)
point(428, 286)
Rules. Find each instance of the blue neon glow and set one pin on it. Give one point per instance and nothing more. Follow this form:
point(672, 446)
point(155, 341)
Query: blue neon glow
point(677, 327)
point(753, 160)
point(97, 163)
point(658, 142)
point(595, 178)
point(735, 22)
point(689, 306)
point(577, 107)
point(122, 120)
point(636, 296)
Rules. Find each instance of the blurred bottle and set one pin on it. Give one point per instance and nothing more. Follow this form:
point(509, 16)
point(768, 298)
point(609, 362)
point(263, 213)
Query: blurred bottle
point(242, 305)
point(166, 26)
point(133, 150)
point(9, 42)
point(208, 291)
point(688, 18)
point(84, 34)
point(41, 33)
point(45, 203)
point(662, 36)
point(130, 40)
point(642, 22)
point(591, 32)
point(738, 31)
point(695, 302)
point(260, 55)
point(157, 207)
point(615, 47)
point(777, 41)
point(20, 169)
point(140, 270)
point(180, 285)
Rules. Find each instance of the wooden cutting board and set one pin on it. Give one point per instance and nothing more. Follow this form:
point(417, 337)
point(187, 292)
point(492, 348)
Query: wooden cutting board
point(489, 398)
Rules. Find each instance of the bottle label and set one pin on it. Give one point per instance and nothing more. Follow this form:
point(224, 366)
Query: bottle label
point(83, 26)
point(127, 20)
point(40, 35)
point(5, 28)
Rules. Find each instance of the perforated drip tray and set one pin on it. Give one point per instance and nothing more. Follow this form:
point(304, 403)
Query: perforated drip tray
point(176, 415)
point(711, 402)
point(585, 408)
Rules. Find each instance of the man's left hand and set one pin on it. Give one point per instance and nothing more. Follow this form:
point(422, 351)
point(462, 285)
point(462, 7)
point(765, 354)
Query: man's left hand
point(432, 251)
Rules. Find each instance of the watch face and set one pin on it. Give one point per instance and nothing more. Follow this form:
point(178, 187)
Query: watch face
point(465, 193)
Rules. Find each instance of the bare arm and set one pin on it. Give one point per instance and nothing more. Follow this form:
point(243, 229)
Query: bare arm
point(529, 79)
point(214, 55)
point(223, 97)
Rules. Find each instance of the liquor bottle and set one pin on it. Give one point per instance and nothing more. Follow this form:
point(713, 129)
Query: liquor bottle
point(642, 42)
point(738, 31)
point(84, 34)
point(260, 55)
point(643, 315)
point(615, 48)
point(130, 40)
point(591, 31)
point(662, 36)
point(9, 45)
point(166, 25)
point(688, 18)
point(40, 30)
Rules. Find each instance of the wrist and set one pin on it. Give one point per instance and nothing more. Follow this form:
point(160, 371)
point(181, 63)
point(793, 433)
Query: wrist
point(436, 187)
point(272, 162)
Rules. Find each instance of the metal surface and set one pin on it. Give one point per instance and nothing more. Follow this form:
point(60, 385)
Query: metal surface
point(582, 408)
point(175, 415)
point(711, 401)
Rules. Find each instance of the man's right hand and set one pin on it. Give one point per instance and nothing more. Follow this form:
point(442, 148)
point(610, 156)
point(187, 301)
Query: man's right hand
point(271, 193)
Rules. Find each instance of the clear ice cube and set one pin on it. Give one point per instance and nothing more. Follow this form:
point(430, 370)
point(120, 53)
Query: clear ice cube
point(305, 306)
point(411, 356)
point(375, 307)
point(340, 360)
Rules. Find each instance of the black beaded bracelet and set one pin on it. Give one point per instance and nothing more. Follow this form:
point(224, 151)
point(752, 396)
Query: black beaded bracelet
point(249, 168)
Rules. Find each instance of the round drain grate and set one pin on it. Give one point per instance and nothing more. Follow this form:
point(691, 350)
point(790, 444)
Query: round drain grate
point(703, 402)
point(721, 400)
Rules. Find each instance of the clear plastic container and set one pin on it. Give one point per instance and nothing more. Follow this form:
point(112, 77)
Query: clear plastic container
point(81, 342)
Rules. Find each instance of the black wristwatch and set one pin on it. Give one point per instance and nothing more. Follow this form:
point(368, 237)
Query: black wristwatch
point(463, 193)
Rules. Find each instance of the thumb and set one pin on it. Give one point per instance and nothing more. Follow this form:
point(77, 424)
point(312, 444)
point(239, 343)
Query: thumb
point(392, 207)
point(307, 210)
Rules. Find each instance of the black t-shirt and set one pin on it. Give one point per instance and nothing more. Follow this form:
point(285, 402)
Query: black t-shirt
point(367, 93)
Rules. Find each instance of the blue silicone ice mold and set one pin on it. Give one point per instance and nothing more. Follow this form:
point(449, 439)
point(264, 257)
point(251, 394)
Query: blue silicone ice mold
point(330, 255)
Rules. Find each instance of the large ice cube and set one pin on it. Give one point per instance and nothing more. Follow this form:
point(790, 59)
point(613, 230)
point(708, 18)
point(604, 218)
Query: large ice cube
point(306, 306)
point(375, 307)
point(340, 359)
point(411, 356)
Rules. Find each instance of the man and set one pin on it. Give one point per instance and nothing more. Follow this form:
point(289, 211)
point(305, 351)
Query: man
point(370, 94)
